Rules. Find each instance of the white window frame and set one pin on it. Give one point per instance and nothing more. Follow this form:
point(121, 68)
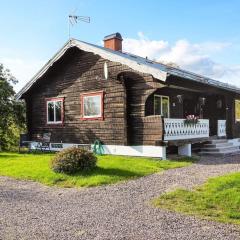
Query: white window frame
point(54, 111)
point(92, 94)
point(162, 96)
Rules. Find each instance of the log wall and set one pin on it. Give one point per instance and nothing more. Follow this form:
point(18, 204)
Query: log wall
point(81, 72)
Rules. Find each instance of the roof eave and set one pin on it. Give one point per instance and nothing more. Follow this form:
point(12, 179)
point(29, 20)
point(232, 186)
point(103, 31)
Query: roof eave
point(19, 95)
point(103, 52)
point(159, 71)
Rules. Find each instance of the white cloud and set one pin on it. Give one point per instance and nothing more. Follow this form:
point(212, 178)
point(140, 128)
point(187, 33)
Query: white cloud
point(195, 57)
point(189, 56)
point(144, 47)
point(23, 70)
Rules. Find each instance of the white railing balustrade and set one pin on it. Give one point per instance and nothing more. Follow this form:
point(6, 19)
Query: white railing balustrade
point(177, 129)
point(221, 128)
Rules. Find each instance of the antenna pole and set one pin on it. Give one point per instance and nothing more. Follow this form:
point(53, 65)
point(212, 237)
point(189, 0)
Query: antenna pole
point(69, 35)
point(73, 19)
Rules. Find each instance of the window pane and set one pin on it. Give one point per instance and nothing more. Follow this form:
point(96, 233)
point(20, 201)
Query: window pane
point(165, 107)
point(58, 111)
point(92, 106)
point(237, 110)
point(50, 111)
point(157, 105)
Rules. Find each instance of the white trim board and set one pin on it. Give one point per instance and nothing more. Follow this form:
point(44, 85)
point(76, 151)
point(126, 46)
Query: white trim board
point(140, 151)
point(137, 151)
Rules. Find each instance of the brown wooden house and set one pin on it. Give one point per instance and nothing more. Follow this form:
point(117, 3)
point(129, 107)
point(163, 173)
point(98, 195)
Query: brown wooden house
point(133, 105)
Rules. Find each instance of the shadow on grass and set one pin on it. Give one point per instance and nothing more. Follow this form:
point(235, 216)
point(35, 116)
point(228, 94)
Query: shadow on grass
point(107, 172)
point(22, 154)
point(186, 159)
point(4, 156)
point(38, 152)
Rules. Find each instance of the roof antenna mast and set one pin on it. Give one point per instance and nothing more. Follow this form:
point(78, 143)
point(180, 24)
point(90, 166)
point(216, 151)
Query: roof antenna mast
point(74, 19)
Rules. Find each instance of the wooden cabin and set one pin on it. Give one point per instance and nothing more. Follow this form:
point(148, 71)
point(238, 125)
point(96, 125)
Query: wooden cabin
point(133, 105)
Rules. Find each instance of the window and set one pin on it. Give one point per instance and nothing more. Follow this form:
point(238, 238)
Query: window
point(161, 105)
point(55, 111)
point(237, 110)
point(92, 105)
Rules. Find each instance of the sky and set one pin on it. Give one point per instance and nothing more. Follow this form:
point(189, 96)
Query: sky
point(199, 36)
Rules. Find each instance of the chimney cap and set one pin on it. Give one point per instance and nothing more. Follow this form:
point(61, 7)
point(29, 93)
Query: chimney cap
point(113, 35)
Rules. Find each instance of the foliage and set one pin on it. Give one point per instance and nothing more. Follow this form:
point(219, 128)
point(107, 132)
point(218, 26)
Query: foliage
point(191, 120)
point(218, 199)
point(72, 160)
point(109, 169)
point(237, 110)
point(12, 117)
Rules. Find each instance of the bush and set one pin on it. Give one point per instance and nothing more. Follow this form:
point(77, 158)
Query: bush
point(72, 160)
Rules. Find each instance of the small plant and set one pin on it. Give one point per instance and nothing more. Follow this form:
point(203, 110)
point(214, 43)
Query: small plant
point(72, 160)
point(191, 120)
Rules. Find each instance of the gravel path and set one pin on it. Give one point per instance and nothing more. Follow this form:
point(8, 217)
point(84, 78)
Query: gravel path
point(30, 210)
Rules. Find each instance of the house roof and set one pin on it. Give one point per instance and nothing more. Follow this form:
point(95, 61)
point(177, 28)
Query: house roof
point(157, 70)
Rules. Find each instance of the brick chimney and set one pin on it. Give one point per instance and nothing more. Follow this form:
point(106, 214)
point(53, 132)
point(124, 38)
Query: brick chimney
point(113, 41)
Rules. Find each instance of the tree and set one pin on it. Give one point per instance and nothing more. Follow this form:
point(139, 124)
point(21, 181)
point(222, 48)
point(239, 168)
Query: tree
point(12, 112)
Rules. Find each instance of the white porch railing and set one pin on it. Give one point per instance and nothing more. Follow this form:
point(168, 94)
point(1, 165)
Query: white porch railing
point(176, 129)
point(221, 128)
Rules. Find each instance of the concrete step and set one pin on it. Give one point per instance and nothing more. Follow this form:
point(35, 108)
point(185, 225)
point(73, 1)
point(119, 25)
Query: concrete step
point(219, 149)
point(216, 141)
point(217, 145)
point(220, 154)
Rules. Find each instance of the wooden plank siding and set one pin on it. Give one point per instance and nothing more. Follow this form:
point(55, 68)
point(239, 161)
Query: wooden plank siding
point(80, 72)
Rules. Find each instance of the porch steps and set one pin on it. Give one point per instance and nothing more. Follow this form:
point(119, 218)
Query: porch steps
point(218, 148)
point(217, 141)
point(217, 145)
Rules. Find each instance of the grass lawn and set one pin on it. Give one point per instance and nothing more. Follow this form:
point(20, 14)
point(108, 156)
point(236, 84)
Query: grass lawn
point(218, 199)
point(110, 169)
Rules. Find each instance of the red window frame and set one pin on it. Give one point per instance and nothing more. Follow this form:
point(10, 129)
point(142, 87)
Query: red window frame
point(89, 94)
point(62, 111)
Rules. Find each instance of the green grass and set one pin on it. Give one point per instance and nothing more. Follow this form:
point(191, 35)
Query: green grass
point(218, 199)
point(110, 169)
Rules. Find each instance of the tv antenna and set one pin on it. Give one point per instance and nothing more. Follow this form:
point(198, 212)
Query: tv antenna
point(74, 19)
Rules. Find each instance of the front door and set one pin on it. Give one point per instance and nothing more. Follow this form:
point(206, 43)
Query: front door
point(214, 110)
point(190, 107)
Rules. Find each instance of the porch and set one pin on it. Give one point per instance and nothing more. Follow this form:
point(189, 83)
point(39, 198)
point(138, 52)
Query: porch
point(174, 105)
point(177, 129)
point(181, 134)
point(214, 108)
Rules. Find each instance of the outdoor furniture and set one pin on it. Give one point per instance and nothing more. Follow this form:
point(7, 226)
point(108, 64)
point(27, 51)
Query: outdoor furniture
point(40, 142)
point(45, 142)
point(23, 142)
point(37, 139)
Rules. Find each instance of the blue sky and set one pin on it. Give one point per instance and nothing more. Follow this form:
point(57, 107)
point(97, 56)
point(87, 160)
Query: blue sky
point(201, 36)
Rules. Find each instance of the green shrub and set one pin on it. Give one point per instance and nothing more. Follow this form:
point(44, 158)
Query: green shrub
point(72, 160)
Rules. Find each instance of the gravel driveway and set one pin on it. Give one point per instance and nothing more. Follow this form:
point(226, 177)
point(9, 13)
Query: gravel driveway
point(30, 210)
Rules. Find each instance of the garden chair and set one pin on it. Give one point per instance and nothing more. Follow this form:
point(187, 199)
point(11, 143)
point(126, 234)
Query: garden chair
point(37, 138)
point(23, 142)
point(45, 143)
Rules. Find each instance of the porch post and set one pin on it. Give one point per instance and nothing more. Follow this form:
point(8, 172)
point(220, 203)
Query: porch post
point(229, 116)
point(164, 153)
point(185, 150)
